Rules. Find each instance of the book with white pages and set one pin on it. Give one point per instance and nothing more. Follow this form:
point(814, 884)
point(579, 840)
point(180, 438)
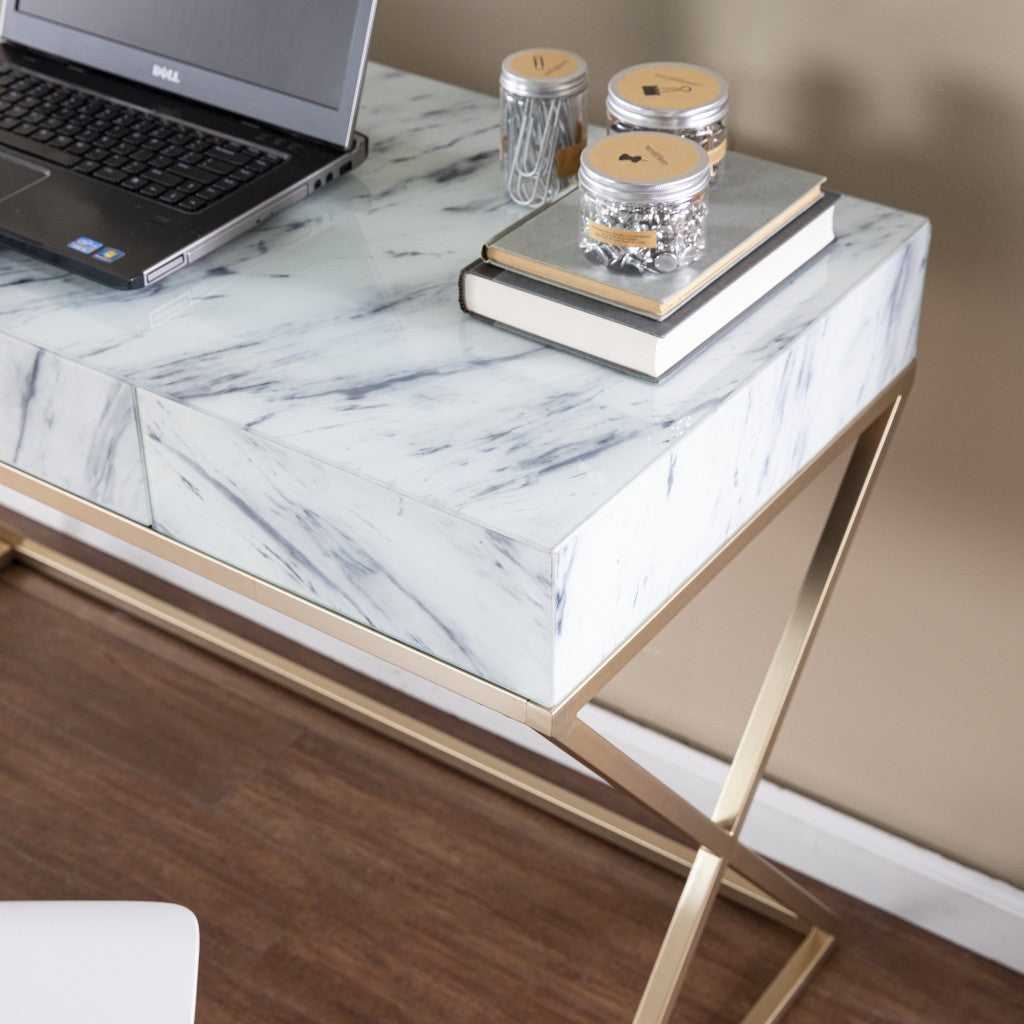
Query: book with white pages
point(627, 339)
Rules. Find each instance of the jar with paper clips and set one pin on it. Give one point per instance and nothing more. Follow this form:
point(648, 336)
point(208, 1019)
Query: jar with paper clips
point(543, 122)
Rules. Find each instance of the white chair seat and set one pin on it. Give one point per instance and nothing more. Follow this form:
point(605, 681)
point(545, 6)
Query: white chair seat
point(85, 962)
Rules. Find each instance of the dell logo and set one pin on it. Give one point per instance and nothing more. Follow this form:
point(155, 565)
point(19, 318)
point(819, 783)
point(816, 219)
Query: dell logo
point(167, 74)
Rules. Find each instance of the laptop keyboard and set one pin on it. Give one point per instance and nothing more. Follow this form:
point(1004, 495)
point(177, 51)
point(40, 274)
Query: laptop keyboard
point(165, 160)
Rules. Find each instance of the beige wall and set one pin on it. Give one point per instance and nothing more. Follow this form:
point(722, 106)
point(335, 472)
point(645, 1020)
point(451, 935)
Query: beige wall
point(912, 707)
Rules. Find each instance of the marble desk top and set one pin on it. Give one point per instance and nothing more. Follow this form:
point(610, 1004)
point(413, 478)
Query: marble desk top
point(309, 404)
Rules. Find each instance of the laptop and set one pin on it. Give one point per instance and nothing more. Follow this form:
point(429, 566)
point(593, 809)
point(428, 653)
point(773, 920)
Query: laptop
point(136, 137)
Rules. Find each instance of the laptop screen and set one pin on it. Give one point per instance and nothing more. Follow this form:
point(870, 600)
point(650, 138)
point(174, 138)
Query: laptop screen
point(297, 65)
point(288, 47)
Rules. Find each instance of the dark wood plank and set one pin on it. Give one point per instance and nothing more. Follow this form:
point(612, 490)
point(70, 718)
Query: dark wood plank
point(338, 876)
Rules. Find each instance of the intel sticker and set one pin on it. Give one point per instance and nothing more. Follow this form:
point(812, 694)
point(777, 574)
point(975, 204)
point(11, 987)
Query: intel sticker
point(108, 255)
point(85, 244)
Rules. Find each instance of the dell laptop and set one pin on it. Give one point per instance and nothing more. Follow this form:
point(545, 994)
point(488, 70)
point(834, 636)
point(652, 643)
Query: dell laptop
point(135, 137)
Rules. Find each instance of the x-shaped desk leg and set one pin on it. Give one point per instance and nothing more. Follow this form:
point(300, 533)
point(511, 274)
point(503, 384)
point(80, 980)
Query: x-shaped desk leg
point(720, 857)
point(717, 835)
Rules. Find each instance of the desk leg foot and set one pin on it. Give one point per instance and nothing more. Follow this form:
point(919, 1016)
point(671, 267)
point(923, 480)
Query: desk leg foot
point(791, 979)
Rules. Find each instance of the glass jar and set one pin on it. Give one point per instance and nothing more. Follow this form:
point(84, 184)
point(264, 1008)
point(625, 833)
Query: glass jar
point(543, 122)
point(643, 202)
point(683, 99)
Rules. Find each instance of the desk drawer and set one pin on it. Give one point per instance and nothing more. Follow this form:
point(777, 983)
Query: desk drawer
point(72, 427)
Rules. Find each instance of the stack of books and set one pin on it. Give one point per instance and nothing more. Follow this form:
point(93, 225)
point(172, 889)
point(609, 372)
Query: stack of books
point(765, 221)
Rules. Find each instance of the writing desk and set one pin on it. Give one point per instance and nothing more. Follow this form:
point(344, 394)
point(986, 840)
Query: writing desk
point(307, 417)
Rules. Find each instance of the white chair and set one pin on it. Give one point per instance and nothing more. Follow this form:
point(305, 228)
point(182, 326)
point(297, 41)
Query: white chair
point(97, 962)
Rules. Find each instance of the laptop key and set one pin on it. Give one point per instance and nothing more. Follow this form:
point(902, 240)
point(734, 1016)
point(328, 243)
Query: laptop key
point(229, 153)
point(162, 177)
point(216, 167)
point(111, 174)
point(188, 171)
point(133, 183)
point(172, 196)
point(191, 204)
point(86, 166)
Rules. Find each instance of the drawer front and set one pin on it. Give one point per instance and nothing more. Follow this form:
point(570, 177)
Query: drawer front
point(72, 427)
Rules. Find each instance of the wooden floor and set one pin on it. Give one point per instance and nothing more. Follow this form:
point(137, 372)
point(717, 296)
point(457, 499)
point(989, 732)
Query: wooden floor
point(340, 878)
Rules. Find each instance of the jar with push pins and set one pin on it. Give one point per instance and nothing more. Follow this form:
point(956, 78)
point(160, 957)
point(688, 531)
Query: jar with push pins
point(643, 202)
point(543, 122)
point(682, 99)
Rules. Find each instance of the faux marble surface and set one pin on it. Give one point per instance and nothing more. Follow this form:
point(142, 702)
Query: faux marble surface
point(71, 426)
point(316, 409)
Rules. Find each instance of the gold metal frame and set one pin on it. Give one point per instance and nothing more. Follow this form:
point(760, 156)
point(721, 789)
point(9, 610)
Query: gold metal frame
point(720, 861)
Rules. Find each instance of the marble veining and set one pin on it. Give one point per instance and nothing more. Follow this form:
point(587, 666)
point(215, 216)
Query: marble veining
point(402, 567)
point(71, 426)
point(316, 408)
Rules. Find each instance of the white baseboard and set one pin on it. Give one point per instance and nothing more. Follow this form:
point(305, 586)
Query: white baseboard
point(958, 903)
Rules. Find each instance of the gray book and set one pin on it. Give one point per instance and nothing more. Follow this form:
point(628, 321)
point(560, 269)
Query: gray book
point(750, 201)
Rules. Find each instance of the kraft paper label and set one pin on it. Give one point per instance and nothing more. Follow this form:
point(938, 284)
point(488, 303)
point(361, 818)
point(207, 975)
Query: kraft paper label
point(622, 237)
point(669, 87)
point(543, 64)
point(715, 155)
point(567, 158)
point(644, 156)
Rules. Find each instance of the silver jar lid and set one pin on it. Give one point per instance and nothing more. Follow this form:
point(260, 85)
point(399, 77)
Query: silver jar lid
point(644, 167)
point(543, 73)
point(667, 97)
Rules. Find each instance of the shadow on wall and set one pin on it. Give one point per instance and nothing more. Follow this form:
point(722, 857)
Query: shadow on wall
point(957, 160)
